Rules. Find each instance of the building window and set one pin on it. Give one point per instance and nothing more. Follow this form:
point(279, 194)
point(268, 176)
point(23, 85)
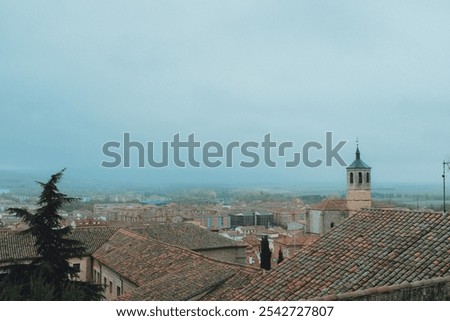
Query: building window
point(104, 281)
point(331, 224)
point(360, 178)
point(118, 291)
point(77, 267)
point(110, 287)
point(351, 178)
point(368, 177)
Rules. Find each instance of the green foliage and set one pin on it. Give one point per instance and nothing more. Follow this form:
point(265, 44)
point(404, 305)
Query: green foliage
point(82, 291)
point(31, 285)
point(25, 282)
point(49, 276)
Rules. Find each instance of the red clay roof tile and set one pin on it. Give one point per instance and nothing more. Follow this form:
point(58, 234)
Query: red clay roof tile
point(373, 248)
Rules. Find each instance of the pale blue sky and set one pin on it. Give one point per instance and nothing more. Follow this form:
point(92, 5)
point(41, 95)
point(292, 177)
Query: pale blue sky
point(75, 74)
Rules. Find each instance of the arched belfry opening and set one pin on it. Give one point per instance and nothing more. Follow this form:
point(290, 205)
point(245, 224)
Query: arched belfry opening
point(359, 192)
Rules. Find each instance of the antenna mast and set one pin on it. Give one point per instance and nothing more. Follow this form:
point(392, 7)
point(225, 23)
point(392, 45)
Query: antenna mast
point(444, 163)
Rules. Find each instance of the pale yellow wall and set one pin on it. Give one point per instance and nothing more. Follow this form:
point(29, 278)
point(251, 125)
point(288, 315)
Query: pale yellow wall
point(102, 271)
point(85, 274)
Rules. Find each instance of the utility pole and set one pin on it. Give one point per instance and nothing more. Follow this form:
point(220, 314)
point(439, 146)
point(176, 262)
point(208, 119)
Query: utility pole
point(444, 163)
point(443, 183)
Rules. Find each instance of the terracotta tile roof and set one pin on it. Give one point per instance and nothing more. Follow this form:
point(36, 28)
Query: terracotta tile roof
point(252, 240)
point(227, 291)
point(304, 240)
point(187, 235)
point(163, 271)
point(373, 248)
point(18, 246)
point(205, 283)
point(15, 246)
point(331, 204)
point(93, 237)
point(361, 294)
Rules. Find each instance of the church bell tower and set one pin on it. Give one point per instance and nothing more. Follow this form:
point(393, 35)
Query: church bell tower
point(359, 192)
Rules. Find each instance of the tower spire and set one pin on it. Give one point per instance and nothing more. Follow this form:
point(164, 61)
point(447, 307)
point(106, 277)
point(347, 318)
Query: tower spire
point(358, 154)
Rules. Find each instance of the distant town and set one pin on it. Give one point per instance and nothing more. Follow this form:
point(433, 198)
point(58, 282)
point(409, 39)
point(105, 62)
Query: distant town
point(202, 206)
point(221, 232)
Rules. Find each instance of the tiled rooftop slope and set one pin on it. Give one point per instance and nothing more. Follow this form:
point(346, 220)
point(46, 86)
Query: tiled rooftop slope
point(186, 235)
point(165, 272)
point(374, 248)
point(19, 246)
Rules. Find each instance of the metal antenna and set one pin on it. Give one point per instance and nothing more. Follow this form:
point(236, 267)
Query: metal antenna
point(444, 164)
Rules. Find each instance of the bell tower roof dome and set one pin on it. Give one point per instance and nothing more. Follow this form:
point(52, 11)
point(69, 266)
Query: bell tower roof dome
point(358, 163)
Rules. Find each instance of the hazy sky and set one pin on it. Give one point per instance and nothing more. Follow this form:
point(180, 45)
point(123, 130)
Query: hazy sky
point(76, 74)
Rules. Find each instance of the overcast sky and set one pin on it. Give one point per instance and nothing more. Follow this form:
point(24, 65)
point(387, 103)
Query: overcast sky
point(76, 74)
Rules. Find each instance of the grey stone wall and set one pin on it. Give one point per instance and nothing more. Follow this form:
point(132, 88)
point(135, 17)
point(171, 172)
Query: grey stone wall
point(335, 217)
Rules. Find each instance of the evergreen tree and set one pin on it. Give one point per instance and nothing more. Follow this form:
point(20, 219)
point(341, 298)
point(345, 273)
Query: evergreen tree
point(49, 276)
point(266, 254)
point(280, 256)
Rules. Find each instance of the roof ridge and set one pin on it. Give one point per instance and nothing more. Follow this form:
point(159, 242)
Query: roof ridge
point(380, 289)
point(423, 233)
point(375, 209)
point(330, 202)
point(128, 233)
point(149, 243)
point(176, 233)
point(189, 250)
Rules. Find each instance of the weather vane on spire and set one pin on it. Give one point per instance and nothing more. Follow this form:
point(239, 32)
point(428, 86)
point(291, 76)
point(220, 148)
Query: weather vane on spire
point(357, 142)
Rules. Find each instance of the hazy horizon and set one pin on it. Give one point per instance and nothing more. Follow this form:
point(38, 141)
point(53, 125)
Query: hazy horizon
point(73, 183)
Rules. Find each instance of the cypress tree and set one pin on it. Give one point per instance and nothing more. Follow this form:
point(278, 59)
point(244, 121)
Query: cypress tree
point(49, 276)
point(280, 256)
point(266, 254)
